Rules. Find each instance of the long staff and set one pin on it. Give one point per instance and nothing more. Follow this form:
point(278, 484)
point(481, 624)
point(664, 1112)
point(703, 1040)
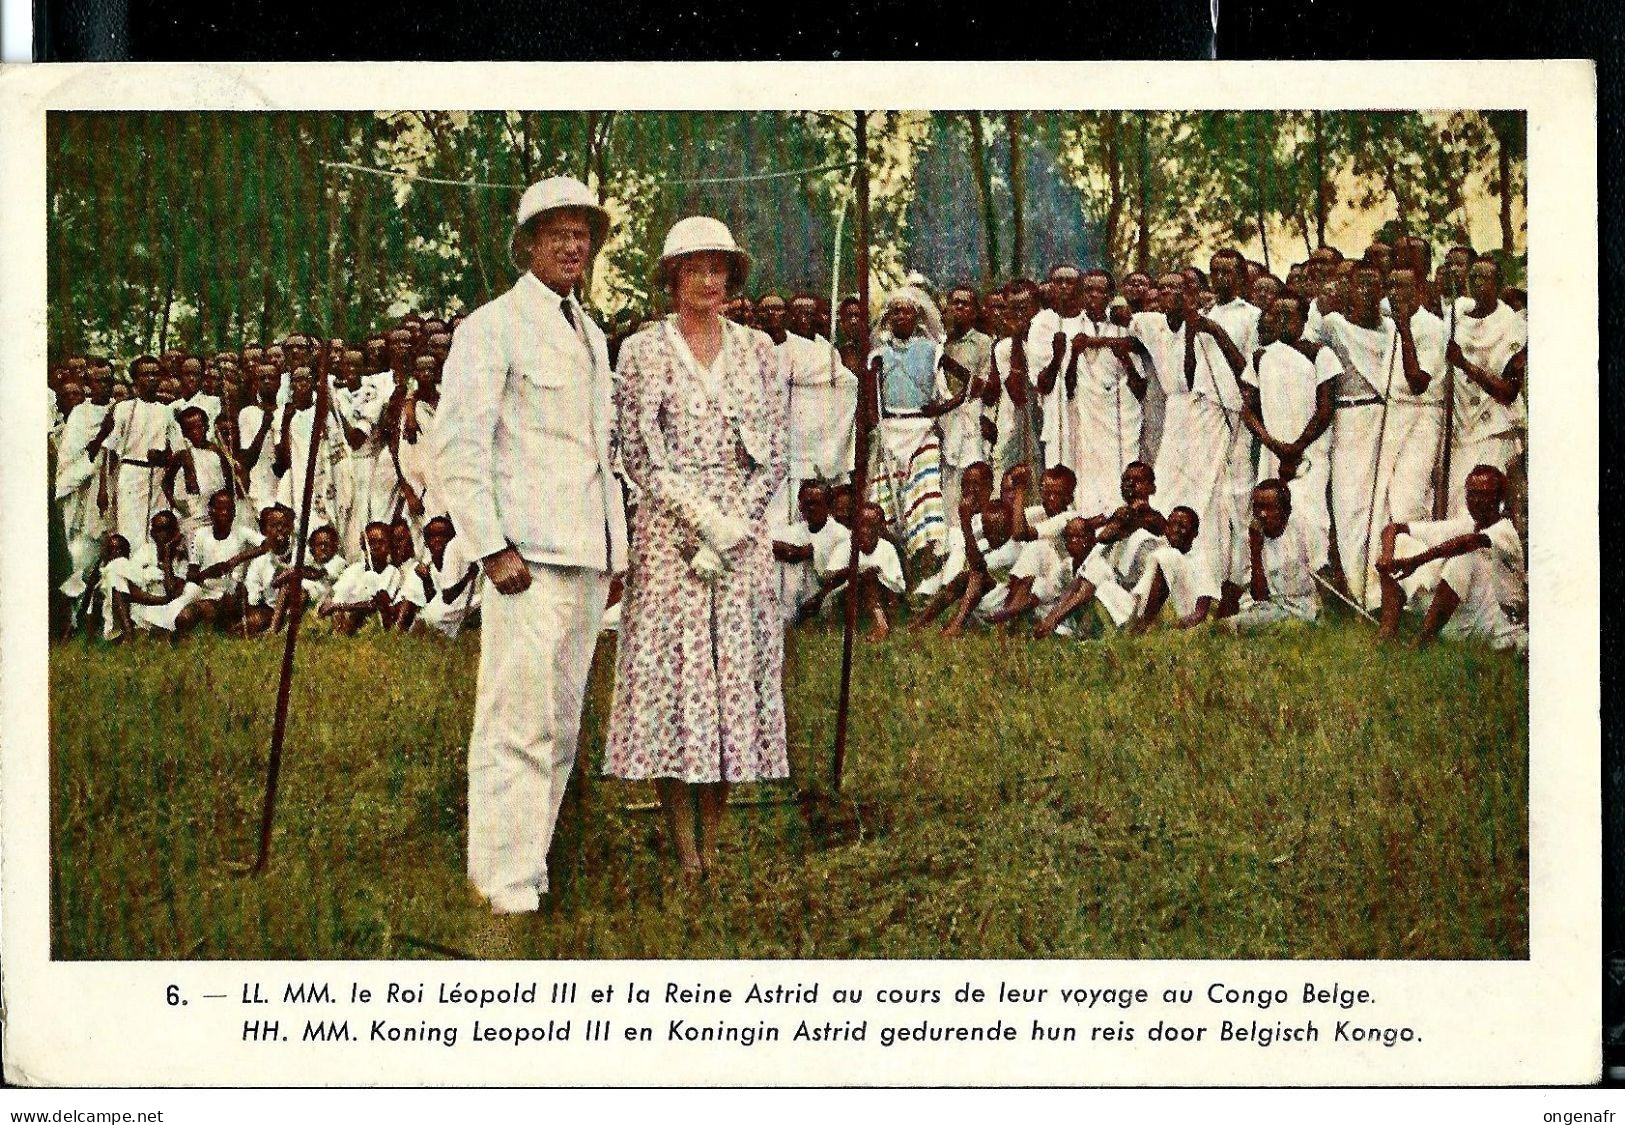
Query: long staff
point(1441, 494)
point(296, 592)
point(860, 464)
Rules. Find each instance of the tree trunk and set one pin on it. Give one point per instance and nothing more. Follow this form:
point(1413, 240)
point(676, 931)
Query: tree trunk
point(169, 304)
point(984, 192)
point(592, 137)
point(1110, 140)
point(1260, 211)
point(1142, 252)
point(1504, 175)
point(599, 162)
point(1018, 195)
point(1320, 180)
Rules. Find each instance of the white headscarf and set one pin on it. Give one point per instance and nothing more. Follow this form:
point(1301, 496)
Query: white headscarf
point(930, 319)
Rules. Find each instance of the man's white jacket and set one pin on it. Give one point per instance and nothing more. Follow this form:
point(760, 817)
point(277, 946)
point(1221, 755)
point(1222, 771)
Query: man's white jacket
point(522, 436)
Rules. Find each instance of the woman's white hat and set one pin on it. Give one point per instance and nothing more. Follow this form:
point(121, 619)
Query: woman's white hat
point(562, 193)
point(699, 233)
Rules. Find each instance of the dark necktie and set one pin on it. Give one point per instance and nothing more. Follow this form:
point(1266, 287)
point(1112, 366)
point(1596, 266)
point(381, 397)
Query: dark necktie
point(570, 317)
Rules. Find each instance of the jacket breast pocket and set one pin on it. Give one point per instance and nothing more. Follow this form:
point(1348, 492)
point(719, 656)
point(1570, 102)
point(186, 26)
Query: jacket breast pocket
point(543, 367)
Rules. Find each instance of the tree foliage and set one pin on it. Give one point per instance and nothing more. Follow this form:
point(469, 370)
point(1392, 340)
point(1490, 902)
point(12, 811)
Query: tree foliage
point(218, 228)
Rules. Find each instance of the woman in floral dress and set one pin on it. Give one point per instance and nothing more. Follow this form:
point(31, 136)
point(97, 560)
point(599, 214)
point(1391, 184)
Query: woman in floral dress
point(699, 700)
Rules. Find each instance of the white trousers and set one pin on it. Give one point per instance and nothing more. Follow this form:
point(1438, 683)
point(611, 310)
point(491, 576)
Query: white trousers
point(535, 653)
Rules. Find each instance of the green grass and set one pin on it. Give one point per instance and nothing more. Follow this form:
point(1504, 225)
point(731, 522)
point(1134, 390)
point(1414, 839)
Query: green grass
point(1177, 796)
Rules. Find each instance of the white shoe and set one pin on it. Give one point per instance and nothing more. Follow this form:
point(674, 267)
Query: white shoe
point(516, 902)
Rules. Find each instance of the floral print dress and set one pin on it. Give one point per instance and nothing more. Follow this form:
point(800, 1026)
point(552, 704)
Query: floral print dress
point(698, 684)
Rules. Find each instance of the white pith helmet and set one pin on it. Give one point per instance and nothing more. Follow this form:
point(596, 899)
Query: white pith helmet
point(561, 193)
point(699, 233)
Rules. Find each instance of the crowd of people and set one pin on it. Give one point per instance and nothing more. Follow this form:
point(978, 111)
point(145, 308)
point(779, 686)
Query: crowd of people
point(1059, 456)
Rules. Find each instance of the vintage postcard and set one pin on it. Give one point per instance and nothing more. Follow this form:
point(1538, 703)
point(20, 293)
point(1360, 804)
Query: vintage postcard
point(972, 574)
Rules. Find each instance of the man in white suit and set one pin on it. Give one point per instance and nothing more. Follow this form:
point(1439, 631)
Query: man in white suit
point(522, 442)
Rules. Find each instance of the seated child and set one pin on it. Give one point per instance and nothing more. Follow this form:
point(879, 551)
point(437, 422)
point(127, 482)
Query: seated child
point(449, 579)
point(221, 552)
point(1062, 589)
point(409, 594)
point(975, 485)
point(880, 573)
point(313, 586)
point(259, 594)
point(804, 548)
point(1281, 568)
point(1174, 576)
point(989, 561)
point(157, 591)
point(366, 589)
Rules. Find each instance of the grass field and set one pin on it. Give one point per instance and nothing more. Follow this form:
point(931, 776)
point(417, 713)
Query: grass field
point(1175, 796)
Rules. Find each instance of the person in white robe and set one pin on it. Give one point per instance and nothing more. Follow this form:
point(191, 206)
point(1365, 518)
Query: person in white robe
point(1161, 336)
point(1231, 311)
point(976, 490)
point(260, 591)
point(356, 409)
point(158, 590)
point(799, 547)
point(1205, 460)
point(1287, 388)
point(138, 434)
point(257, 439)
point(298, 425)
point(207, 395)
point(367, 588)
point(413, 445)
point(1011, 407)
point(196, 471)
point(1413, 426)
point(1092, 411)
point(1467, 572)
point(880, 573)
point(115, 576)
point(983, 586)
point(1036, 530)
point(1364, 342)
point(1061, 588)
point(220, 554)
point(1486, 348)
point(447, 580)
point(83, 485)
point(823, 400)
point(967, 369)
point(1176, 576)
point(1281, 573)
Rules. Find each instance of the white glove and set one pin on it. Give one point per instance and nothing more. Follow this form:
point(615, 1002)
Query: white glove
point(723, 533)
point(707, 564)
